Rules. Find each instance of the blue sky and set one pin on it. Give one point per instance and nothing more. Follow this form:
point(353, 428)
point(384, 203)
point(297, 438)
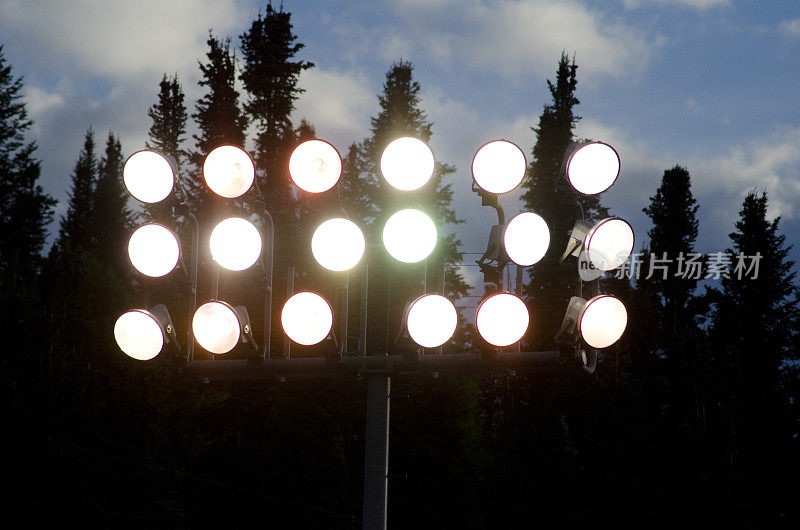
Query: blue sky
point(712, 85)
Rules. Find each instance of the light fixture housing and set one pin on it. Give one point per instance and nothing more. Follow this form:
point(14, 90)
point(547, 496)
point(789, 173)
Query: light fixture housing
point(141, 334)
point(407, 163)
point(338, 244)
point(599, 321)
point(431, 320)
point(218, 327)
point(315, 166)
point(526, 238)
point(502, 319)
point(307, 318)
point(499, 166)
point(235, 243)
point(409, 235)
point(149, 176)
point(154, 250)
point(591, 167)
point(607, 244)
point(229, 171)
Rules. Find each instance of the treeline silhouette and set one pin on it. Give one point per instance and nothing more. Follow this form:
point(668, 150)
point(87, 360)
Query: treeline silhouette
point(691, 418)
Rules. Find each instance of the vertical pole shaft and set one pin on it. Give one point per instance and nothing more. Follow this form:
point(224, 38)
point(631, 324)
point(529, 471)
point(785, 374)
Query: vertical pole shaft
point(268, 259)
point(362, 314)
point(376, 452)
point(287, 343)
point(345, 314)
point(215, 282)
point(440, 290)
point(193, 279)
point(518, 288)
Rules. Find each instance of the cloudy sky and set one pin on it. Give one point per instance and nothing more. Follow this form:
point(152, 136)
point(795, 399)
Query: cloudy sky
point(713, 85)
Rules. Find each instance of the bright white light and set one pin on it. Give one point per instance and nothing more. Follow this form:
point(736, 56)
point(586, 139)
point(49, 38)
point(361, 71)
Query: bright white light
point(229, 171)
point(409, 236)
point(526, 238)
point(216, 327)
point(306, 318)
point(153, 250)
point(602, 321)
point(338, 244)
point(407, 164)
point(609, 243)
point(432, 320)
point(499, 166)
point(138, 335)
point(148, 176)
point(315, 166)
point(502, 319)
point(235, 243)
point(593, 168)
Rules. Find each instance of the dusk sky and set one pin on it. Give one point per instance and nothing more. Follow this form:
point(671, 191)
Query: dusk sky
point(712, 85)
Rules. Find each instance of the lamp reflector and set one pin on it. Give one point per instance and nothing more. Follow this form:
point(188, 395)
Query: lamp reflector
point(431, 320)
point(593, 168)
point(498, 166)
point(139, 335)
point(216, 327)
point(609, 243)
point(409, 236)
point(407, 164)
point(502, 319)
point(602, 321)
point(338, 244)
point(229, 171)
point(154, 250)
point(526, 238)
point(307, 318)
point(235, 244)
point(315, 166)
point(148, 176)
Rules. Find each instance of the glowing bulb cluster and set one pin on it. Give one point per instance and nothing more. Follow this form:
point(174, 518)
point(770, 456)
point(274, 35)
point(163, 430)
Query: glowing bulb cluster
point(229, 171)
point(315, 166)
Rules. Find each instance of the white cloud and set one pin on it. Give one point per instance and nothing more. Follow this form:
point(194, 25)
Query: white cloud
point(696, 4)
point(514, 38)
point(39, 101)
point(790, 28)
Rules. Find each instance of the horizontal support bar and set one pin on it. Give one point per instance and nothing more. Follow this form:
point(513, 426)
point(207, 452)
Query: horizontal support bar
point(320, 367)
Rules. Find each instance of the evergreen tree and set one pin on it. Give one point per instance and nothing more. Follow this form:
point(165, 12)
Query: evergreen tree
point(112, 217)
point(76, 229)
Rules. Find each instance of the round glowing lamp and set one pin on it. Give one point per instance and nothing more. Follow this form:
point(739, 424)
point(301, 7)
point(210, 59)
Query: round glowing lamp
point(235, 244)
point(307, 318)
point(609, 243)
point(593, 168)
point(431, 320)
point(139, 335)
point(498, 166)
point(338, 244)
point(407, 164)
point(526, 238)
point(315, 166)
point(229, 171)
point(216, 327)
point(409, 236)
point(148, 176)
point(154, 250)
point(602, 321)
point(502, 319)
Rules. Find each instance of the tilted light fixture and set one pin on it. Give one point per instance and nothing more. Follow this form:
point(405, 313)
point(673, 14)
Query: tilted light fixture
point(431, 320)
point(154, 250)
point(591, 167)
point(338, 244)
point(502, 319)
point(307, 318)
point(235, 244)
point(607, 244)
point(600, 321)
point(315, 166)
point(218, 327)
point(407, 164)
point(142, 334)
point(409, 236)
point(229, 171)
point(148, 176)
point(498, 166)
point(526, 238)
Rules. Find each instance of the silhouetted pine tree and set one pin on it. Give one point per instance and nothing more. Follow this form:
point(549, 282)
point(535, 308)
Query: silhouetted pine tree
point(76, 229)
point(113, 218)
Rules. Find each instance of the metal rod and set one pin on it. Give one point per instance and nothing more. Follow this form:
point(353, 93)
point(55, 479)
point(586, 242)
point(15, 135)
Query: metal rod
point(344, 315)
point(268, 258)
point(518, 287)
point(287, 342)
point(376, 452)
point(362, 313)
point(193, 280)
point(440, 290)
point(215, 282)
